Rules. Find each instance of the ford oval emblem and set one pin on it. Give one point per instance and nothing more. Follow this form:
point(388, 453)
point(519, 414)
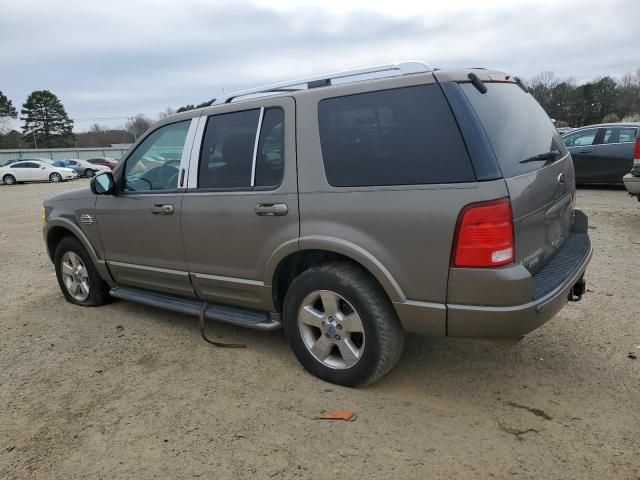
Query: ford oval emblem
point(561, 179)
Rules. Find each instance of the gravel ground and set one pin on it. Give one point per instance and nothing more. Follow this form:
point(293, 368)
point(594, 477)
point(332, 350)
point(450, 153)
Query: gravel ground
point(82, 398)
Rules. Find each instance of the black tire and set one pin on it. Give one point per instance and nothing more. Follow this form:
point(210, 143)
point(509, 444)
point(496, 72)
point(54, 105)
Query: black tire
point(89, 173)
point(9, 179)
point(98, 288)
point(55, 177)
point(383, 332)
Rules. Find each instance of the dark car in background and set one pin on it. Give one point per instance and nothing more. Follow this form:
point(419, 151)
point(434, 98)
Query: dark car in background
point(602, 154)
point(103, 161)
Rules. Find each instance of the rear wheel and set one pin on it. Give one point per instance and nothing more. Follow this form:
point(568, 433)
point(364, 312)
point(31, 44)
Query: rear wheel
point(9, 179)
point(55, 177)
point(89, 173)
point(77, 276)
point(341, 325)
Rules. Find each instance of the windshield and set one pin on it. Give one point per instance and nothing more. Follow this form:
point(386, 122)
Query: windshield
point(517, 126)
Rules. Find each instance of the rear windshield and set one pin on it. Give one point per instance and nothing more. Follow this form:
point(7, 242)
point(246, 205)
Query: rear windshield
point(517, 126)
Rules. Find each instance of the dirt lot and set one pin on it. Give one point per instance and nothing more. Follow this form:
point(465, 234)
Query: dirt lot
point(81, 398)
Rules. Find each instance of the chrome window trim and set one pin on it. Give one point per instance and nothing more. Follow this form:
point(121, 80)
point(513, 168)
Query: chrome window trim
point(192, 176)
point(255, 148)
point(187, 148)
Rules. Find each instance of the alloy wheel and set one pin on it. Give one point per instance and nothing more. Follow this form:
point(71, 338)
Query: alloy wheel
point(75, 276)
point(331, 329)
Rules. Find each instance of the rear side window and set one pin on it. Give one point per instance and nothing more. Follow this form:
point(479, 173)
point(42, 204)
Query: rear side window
point(270, 153)
point(517, 126)
point(619, 135)
point(228, 146)
point(404, 136)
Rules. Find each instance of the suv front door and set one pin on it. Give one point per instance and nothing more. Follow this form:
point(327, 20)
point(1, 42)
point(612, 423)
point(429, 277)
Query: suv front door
point(242, 202)
point(140, 225)
point(580, 144)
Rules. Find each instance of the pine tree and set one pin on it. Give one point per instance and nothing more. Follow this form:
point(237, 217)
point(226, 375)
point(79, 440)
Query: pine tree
point(46, 123)
point(7, 111)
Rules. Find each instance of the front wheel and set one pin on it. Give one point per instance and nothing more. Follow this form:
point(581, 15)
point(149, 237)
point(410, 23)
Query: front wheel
point(341, 325)
point(55, 177)
point(9, 180)
point(89, 173)
point(78, 278)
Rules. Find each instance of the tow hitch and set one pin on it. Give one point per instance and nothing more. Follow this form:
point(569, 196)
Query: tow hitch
point(575, 295)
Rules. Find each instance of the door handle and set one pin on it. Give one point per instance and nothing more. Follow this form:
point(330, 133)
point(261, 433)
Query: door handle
point(272, 209)
point(586, 150)
point(162, 209)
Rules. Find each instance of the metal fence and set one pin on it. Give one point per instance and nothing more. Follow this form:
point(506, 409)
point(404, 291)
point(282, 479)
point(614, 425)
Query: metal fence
point(62, 153)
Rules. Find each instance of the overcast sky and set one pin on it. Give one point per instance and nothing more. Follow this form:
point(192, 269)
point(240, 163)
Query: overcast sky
point(107, 60)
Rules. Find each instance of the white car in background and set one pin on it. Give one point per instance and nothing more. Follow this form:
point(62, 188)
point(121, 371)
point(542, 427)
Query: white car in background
point(35, 171)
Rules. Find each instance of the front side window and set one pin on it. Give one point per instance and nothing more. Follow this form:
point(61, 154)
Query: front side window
point(229, 146)
point(582, 138)
point(155, 163)
point(404, 136)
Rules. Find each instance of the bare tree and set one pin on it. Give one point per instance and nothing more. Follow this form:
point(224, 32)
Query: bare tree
point(166, 113)
point(137, 125)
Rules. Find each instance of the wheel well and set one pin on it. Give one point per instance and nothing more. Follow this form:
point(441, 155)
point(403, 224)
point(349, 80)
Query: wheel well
point(296, 263)
point(54, 236)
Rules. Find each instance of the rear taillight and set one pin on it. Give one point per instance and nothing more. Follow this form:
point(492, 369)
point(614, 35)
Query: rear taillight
point(636, 153)
point(484, 235)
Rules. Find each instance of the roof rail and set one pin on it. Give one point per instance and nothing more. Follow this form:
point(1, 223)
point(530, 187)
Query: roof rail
point(402, 68)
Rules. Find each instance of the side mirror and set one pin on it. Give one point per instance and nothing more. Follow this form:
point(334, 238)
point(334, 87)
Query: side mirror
point(103, 184)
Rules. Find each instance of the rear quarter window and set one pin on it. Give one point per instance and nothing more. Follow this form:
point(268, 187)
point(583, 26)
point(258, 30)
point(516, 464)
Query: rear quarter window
point(517, 126)
point(403, 136)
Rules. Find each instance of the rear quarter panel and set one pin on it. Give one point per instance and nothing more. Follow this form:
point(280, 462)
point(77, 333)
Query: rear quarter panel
point(407, 229)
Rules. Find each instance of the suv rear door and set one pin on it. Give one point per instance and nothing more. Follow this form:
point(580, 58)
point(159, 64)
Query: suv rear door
point(541, 194)
point(613, 155)
point(241, 205)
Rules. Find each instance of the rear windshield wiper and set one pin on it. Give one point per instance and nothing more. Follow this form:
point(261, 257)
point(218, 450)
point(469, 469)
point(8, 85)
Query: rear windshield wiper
point(547, 158)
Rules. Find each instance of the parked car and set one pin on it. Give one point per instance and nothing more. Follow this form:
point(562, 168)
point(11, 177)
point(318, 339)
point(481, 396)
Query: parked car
point(632, 179)
point(45, 160)
point(565, 130)
point(34, 171)
point(602, 154)
point(83, 168)
point(103, 161)
point(346, 213)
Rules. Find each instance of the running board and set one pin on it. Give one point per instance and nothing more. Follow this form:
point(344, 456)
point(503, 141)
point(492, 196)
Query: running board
point(242, 317)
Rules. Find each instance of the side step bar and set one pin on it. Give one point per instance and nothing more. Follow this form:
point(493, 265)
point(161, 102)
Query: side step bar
point(242, 317)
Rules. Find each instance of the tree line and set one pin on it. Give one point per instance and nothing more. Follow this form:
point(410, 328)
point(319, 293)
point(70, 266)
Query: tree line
point(46, 123)
point(605, 99)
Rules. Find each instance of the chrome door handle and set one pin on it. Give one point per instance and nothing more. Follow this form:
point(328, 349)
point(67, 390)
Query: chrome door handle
point(272, 209)
point(160, 209)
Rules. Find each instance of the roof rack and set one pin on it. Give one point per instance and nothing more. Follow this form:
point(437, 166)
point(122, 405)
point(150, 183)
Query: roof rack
point(402, 68)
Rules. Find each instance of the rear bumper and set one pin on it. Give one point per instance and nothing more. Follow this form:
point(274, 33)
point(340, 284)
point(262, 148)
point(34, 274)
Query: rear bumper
point(552, 287)
point(632, 184)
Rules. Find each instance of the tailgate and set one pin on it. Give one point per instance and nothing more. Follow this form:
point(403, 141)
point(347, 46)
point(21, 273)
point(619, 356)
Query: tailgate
point(535, 164)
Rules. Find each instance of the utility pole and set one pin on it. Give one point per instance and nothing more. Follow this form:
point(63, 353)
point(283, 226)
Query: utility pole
point(135, 136)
